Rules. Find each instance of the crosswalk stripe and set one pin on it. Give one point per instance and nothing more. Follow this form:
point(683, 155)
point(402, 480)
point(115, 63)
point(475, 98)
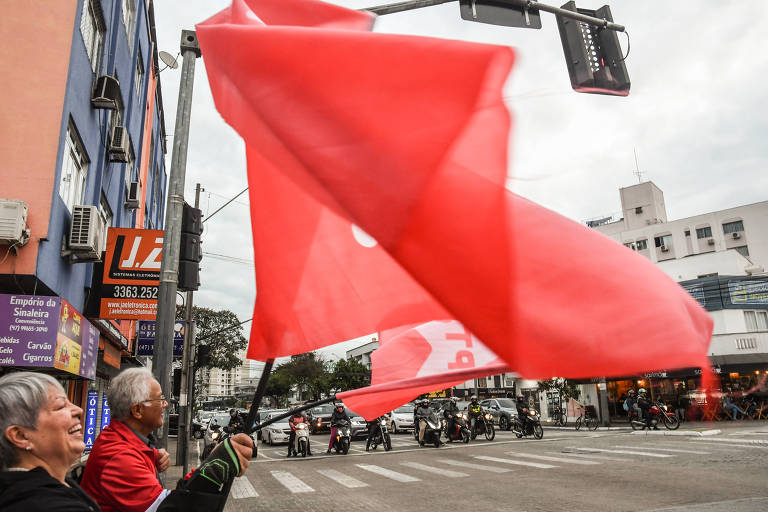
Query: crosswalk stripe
point(242, 488)
point(431, 469)
point(752, 442)
point(660, 448)
point(388, 473)
point(291, 483)
point(592, 456)
point(469, 465)
point(729, 445)
point(518, 462)
point(626, 452)
point(552, 459)
point(345, 480)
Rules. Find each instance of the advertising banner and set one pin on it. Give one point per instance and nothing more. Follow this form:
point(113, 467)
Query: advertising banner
point(47, 332)
point(105, 417)
point(91, 405)
point(752, 293)
point(131, 274)
point(145, 340)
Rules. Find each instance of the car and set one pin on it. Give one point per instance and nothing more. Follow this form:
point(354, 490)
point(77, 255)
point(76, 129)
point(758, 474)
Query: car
point(359, 427)
point(402, 418)
point(502, 410)
point(173, 427)
point(204, 416)
point(320, 418)
point(278, 432)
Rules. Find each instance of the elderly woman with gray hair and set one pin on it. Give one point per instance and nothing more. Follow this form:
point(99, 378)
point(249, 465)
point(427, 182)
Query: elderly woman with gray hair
point(40, 438)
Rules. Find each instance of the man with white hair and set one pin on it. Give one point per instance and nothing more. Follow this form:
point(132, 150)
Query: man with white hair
point(122, 472)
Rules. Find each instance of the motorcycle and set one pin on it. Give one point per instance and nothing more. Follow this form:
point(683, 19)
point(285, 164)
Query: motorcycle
point(301, 441)
point(484, 425)
point(459, 432)
point(379, 434)
point(342, 438)
point(218, 435)
point(433, 429)
point(532, 426)
point(659, 414)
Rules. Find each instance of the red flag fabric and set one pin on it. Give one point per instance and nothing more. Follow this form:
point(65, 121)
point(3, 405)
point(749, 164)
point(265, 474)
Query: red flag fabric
point(406, 138)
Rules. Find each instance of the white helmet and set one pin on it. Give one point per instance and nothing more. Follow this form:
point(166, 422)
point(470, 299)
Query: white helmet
point(641, 391)
point(454, 399)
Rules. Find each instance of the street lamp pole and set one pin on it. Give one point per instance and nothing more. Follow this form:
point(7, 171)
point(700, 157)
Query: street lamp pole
point(166, 301)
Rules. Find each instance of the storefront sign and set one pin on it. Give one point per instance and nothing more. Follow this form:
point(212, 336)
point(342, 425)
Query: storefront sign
point(748, 292)
point(43, 331)
point(91, 405)
point(104, 412)
point(655, 375)
point(131, 274)
point(145, 340)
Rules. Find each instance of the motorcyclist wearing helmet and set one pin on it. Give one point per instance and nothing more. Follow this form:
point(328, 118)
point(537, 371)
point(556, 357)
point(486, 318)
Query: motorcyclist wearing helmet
point(236, 423)
point(420, 415)
point(296, 418)
point(631, 402)
point(449, 413)
point(522, 411)
point(338, 415)
point(475, 411)
point(644, 404)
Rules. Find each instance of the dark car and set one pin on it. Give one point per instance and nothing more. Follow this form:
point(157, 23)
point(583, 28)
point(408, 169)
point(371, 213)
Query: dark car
point(320, 418)
point(502, 410)
point(173, 427)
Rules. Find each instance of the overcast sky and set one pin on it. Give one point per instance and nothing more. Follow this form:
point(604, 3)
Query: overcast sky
point(695, 116)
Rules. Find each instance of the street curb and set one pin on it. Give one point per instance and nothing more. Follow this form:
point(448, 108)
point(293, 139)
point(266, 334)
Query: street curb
point(598, 428)
point(710, 432)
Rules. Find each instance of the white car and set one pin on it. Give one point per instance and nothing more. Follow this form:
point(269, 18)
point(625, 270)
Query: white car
point(278, 432)
point(402, 419)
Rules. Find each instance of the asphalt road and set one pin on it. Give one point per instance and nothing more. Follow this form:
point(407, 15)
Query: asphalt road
point(565, 471)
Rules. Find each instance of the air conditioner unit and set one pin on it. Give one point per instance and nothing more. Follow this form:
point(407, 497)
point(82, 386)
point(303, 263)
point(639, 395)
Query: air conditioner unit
point(119, 144)
point(710, 241)
point(736, 235)
point(86, 232)
point(106, 93)
point(13, 221)
point(664, 248)
point(132, 193)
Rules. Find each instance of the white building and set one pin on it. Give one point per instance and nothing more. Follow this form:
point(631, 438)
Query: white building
point(362, 354)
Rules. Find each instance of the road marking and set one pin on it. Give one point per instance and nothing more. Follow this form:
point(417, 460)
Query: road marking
point(591, 456)
point(291, 483)
point(758, 442)
point(388, 473)
point(731, 445)
point(345, 480)
point(518, 462)
point(626, 452)
point(438, 471)
point(242, 488)
point(469, 465)
point(696, 452)
point(552, 459)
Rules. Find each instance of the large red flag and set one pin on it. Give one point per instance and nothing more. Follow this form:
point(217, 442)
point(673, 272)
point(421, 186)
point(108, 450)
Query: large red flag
point(406, 138)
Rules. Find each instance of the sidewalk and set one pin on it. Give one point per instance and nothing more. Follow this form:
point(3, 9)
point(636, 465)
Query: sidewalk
point(174, 472)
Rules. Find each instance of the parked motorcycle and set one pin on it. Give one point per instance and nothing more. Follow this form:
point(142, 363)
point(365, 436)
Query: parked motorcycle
point(460, 431)
point(301, 441)
point(659, 414)
point(432, 431)
point(532, 426)
point(342, 438)
point(379, 434)
point(484, 425)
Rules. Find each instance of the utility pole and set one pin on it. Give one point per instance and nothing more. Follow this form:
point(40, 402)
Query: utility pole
point(187, 383)
point(166, 301)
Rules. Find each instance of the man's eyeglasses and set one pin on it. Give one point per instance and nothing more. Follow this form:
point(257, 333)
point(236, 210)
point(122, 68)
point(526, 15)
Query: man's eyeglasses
point(162, 399)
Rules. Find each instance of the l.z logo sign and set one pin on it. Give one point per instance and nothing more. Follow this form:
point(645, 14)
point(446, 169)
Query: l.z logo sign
point(133, 256)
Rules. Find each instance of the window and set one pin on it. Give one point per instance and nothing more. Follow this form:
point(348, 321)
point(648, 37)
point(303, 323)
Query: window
point(663, 241)
point(139, 78)
point(733, 227)
point(704, 232)
point(687, 232)
point(74, 169)
point(105, 212)
point(630, 245)
point(129, 167)
point(756, 320)
point(92, 30)
point(641, 244)
point(743, 250)
point(481, 383)
point(129, 19)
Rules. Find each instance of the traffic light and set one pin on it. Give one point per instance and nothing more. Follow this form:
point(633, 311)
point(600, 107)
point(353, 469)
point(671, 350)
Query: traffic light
point(593, 54)
point(203, 356)
point(190, 250)
point(500, 12)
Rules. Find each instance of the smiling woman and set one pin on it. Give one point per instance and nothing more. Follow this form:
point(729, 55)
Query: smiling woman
point(40, 437)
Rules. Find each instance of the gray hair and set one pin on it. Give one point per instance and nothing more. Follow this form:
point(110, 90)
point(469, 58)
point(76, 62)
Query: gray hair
point(22, 395)
point(129, 388)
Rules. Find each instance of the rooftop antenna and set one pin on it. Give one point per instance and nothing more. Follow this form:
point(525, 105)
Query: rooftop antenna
point(637, 172)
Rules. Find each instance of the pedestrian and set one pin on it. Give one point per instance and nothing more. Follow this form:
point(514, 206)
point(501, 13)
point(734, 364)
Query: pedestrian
point(681, 405)
point(730, 405)
point(41, 438)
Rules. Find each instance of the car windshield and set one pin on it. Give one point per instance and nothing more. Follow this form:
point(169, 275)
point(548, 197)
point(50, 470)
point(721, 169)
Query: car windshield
point(404, 409)
point(506, 402)
point(220, 419)
point(322, 410)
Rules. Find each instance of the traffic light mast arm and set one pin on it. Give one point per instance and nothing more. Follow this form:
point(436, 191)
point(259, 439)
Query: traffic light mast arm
point(522, 4)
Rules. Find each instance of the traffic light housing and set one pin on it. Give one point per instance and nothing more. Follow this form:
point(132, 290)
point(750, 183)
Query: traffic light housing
point(190, 250)
point(593, 54)
point(203, 356)
point(500, 12)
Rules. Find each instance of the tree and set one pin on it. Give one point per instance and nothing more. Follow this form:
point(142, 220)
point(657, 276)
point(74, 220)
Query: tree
point(219, 330)
point(349, 374)
point(564, 387)
point(278, 386)
point(308, 373)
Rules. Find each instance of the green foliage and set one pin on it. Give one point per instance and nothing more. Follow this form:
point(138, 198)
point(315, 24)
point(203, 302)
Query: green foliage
point(225, 345)
point(278, 387)
point(349, 374)
point(566, 388)
point(308, 373)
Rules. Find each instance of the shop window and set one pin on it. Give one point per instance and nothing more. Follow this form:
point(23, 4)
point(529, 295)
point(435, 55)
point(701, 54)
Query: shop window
point(705, 232)
point(756, 320)
point(733, 227)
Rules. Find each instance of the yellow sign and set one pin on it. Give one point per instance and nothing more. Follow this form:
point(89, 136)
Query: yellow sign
point(67, 355)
